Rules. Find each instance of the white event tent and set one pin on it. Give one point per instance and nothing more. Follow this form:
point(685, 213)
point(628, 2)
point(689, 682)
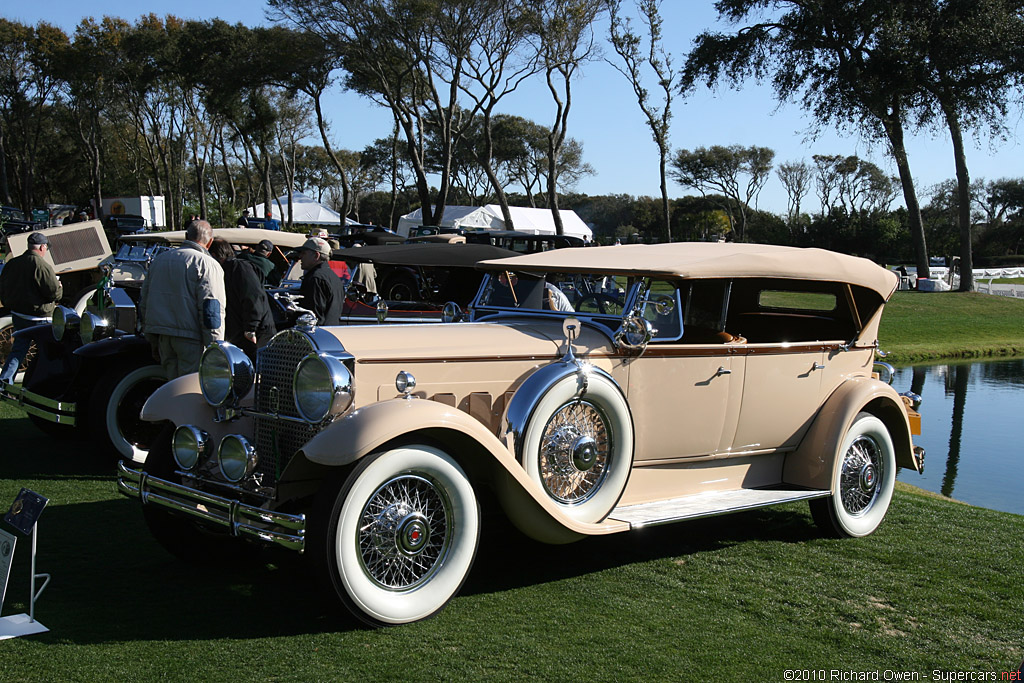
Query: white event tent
point(305, 211)
point(488, 217)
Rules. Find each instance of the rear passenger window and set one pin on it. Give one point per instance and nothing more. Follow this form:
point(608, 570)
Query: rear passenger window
point(812, 302)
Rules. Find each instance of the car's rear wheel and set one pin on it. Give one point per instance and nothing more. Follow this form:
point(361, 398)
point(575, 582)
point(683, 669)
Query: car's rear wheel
point(400, 535)
point(863, 481)
point(579, 448)
point(115, 406)
point(400, 287)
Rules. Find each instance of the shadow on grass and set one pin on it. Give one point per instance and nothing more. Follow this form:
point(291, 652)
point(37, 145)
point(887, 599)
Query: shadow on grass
point(113, 583)
point(29, 453)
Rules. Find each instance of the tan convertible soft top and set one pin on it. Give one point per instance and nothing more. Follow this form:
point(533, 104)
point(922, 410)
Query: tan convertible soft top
point(285, 240)
point(707, 260)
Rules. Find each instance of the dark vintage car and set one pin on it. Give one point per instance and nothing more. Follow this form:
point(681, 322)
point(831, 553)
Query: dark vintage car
point(91, 370)
point(425, 272)
point(522, 242)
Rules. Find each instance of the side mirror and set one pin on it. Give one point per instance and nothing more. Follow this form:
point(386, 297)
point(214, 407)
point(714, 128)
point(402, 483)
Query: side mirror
point(451, 313)
point(634, 334)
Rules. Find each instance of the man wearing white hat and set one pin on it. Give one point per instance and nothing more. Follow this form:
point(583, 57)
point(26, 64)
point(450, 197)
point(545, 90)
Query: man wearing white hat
point(322, 291)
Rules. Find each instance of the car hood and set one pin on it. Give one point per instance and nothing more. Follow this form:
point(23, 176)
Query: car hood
point(442, 342)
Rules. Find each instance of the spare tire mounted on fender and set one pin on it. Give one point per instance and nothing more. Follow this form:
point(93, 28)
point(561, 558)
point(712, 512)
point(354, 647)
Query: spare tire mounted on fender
point(573, 434)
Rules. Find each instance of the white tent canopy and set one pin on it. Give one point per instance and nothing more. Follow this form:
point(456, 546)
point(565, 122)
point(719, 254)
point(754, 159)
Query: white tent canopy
point(305, 211)
point(524, 218)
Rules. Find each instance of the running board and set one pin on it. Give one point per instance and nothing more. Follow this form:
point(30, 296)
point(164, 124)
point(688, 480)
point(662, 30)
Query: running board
point(707, 505)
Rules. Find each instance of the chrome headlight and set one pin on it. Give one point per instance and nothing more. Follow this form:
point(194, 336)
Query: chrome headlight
point(236, 457)
point(322, 386)
point(64, 320)
point(93, 328)
point(225, 374)
point(188, 444)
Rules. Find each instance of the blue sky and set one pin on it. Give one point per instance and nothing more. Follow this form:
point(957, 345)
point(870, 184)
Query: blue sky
point(605, 116)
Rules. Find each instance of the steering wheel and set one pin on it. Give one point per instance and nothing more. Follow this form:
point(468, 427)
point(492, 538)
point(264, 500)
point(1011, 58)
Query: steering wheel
point(357, 292)
point(606, 303)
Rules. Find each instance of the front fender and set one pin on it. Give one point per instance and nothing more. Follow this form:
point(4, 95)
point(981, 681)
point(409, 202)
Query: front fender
point(181, 401)
point(367, 429)
point(813, 462)
point(123, 344)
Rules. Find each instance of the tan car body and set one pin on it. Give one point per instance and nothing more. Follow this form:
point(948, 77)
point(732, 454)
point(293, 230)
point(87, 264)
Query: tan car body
point(704, 427)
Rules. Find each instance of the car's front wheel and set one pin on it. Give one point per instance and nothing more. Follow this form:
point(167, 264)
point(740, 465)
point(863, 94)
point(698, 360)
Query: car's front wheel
point(863, 481)
point(401, 535)
point(116, 404)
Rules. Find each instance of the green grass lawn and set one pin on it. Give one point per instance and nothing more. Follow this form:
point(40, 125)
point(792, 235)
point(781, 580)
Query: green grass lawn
point(743, 597)
point(920, 326)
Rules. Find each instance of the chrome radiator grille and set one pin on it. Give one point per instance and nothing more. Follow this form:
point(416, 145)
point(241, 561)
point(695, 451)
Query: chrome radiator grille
point(278, 440)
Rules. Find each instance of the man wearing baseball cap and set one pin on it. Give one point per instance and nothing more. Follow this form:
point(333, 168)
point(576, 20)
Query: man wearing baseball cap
point(260, 257)
point(30, 288)
point(322, 291)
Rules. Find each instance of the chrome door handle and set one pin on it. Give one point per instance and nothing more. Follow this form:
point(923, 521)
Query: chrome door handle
point(723, 371)
point(818, 366)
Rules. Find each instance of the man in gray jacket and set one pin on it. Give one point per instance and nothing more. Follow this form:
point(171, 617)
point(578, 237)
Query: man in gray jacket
point(29, 287)
point(183, 302)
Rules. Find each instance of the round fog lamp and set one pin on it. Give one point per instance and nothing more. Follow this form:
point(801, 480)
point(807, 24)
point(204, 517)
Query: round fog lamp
point(322, 387)
point(188, 445)
point(236, 458)
point(225, 374)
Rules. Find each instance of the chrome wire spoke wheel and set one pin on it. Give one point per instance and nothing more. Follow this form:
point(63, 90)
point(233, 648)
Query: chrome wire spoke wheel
point(862, 482)
point(575, 452)
point(862, 471)
point(404, 532)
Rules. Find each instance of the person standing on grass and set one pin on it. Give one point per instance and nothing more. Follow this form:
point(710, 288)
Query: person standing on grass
point(29, 287)
point(183, 302)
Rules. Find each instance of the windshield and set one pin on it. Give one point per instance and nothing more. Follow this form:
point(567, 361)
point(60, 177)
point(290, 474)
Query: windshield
point(591, 293)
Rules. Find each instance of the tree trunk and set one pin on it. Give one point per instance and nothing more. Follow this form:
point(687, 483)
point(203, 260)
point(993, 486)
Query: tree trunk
point(894, 131)
point(666, 210)
point(963, 187)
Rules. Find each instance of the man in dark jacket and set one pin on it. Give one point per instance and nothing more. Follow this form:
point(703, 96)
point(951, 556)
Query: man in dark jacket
point(322, 291)
point(260, 257)
point(248, 323)
point(30, 288)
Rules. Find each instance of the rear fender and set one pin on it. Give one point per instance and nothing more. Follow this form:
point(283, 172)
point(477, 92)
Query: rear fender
point(368, 429)
point(813, 462)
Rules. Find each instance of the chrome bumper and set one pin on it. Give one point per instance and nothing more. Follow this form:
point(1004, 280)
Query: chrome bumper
point(51, 410)
point(276, 528)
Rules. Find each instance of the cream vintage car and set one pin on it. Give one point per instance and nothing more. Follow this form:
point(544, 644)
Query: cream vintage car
point(595, 391)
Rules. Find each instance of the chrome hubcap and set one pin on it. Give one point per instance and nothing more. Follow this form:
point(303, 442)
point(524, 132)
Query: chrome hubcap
point(861, 472)
point(404, 532)
point(575, 449)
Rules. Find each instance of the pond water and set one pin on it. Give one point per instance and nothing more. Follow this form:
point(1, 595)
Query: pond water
point(972, 426)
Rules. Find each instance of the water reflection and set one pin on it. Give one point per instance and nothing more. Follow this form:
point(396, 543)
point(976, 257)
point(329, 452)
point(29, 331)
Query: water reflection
point(974, 446)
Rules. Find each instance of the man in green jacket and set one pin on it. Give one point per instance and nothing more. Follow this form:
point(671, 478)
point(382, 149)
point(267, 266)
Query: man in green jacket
point(29, 288)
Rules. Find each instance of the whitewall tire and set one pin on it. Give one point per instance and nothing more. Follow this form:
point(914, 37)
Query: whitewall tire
point(402, 535)
point(118, 400)
point(862, 483)
point(579, 449)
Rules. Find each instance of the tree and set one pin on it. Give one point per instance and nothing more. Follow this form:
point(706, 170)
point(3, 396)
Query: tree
point(565, 31)
point(796, 178)
point(739, 173)
point(846, 62)
point(970, 63)
point(628, 46)
point(28, 87)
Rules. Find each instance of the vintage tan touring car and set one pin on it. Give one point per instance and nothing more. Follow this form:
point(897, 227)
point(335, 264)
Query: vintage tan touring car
point(596, 390)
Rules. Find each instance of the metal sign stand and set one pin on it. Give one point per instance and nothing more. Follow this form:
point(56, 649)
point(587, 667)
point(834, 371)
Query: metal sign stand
point(24, 516)
point(25, 624)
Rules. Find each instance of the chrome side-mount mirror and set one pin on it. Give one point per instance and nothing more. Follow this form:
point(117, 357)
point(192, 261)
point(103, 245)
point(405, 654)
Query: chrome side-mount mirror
point(382, 311)
point(571, 330)
point(634, 334)
point(451, 313)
